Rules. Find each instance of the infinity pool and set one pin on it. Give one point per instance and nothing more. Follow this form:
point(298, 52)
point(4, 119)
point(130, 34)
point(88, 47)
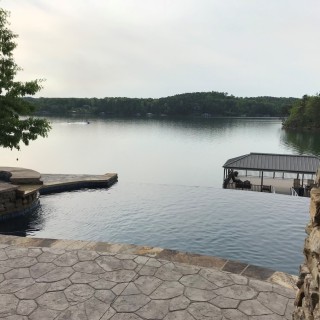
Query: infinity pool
point(256, 228)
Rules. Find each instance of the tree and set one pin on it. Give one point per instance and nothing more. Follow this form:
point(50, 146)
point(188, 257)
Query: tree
point(16, 124)
point(313, 110)
point(305, 113)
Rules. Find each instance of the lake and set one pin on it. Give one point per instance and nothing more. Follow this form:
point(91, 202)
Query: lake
point(169, 191)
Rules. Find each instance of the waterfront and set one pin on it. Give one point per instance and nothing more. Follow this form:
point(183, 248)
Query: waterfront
point(168, 169)
point(172, 151)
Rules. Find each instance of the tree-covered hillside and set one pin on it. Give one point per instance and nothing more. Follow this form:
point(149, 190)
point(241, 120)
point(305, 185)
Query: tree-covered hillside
point(188, 104)
point(305, 113)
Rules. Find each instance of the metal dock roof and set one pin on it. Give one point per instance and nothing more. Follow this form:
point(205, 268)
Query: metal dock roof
point(274, 162)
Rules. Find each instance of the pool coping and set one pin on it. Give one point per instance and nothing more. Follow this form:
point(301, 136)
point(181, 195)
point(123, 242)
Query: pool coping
point(226, 265)
point(55, 183)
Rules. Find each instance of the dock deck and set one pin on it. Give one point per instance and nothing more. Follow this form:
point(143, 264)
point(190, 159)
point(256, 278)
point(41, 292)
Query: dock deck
point(281, 186)
point(274, 185)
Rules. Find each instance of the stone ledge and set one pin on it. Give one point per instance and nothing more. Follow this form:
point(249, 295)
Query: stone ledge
point(54, 183)
point(17, 175)
point(7, 187)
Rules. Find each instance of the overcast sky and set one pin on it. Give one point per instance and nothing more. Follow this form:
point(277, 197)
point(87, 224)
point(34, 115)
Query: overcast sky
point(157, 48)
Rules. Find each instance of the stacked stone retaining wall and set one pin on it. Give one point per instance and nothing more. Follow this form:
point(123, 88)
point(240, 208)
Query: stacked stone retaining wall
point(13, 203)
point(308, 296)
point(7, 200)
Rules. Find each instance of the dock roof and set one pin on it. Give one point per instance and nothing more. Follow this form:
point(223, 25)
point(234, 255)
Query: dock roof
point(274, 162)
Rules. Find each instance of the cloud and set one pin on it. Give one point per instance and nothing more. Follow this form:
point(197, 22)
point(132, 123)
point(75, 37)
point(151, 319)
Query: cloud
point(143, 48)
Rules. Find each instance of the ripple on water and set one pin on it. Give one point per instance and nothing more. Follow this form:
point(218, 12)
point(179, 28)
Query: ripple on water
point(257, 228)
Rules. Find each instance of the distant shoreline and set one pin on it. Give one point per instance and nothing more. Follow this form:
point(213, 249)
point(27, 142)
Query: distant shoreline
point(200, 104)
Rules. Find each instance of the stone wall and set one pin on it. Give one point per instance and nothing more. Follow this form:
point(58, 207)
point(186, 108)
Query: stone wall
point(5, 176)
point(308, 296)
point(12, 203)
point(19, 191)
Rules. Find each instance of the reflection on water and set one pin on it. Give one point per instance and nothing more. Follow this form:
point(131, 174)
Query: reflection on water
point(172, 151)
point(303, 142)
point(24, 225)
point(260, 229)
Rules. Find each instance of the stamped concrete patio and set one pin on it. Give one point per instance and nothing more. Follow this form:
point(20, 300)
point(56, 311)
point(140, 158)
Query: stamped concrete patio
point(59, 279)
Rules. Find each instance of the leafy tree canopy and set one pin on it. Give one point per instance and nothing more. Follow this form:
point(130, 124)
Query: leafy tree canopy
point(305, 113)
point(15, 123)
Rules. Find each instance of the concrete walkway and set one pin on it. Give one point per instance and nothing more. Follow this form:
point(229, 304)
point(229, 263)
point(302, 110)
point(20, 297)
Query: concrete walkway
point(67, 280)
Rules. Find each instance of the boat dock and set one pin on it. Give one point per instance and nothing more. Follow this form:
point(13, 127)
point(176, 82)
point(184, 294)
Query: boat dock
point(268, 172)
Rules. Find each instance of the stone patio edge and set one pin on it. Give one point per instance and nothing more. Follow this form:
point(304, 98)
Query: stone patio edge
point(231, 266)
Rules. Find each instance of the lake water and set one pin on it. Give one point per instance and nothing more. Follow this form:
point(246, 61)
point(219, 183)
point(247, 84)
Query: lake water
point(169, 191)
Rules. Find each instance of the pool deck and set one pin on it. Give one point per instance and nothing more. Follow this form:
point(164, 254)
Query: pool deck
point(69, 279)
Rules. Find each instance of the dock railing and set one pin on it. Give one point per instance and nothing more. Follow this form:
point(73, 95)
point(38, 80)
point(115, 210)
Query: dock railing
point(251, 187)
point(294, 192)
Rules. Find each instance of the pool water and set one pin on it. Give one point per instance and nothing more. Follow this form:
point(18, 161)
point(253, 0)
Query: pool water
point(257, 228)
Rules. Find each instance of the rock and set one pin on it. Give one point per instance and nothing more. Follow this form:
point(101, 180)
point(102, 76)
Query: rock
point(307, 298)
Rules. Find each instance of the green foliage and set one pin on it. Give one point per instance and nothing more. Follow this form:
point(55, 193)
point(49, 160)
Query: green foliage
point(188, 104)
point(13, 128)
point(305, 113)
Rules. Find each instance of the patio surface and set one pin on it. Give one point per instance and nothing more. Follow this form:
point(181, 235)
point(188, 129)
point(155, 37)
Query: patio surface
point(64, 279)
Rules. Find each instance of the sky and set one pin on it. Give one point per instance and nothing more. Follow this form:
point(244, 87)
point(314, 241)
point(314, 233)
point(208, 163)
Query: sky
point(159, 48)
